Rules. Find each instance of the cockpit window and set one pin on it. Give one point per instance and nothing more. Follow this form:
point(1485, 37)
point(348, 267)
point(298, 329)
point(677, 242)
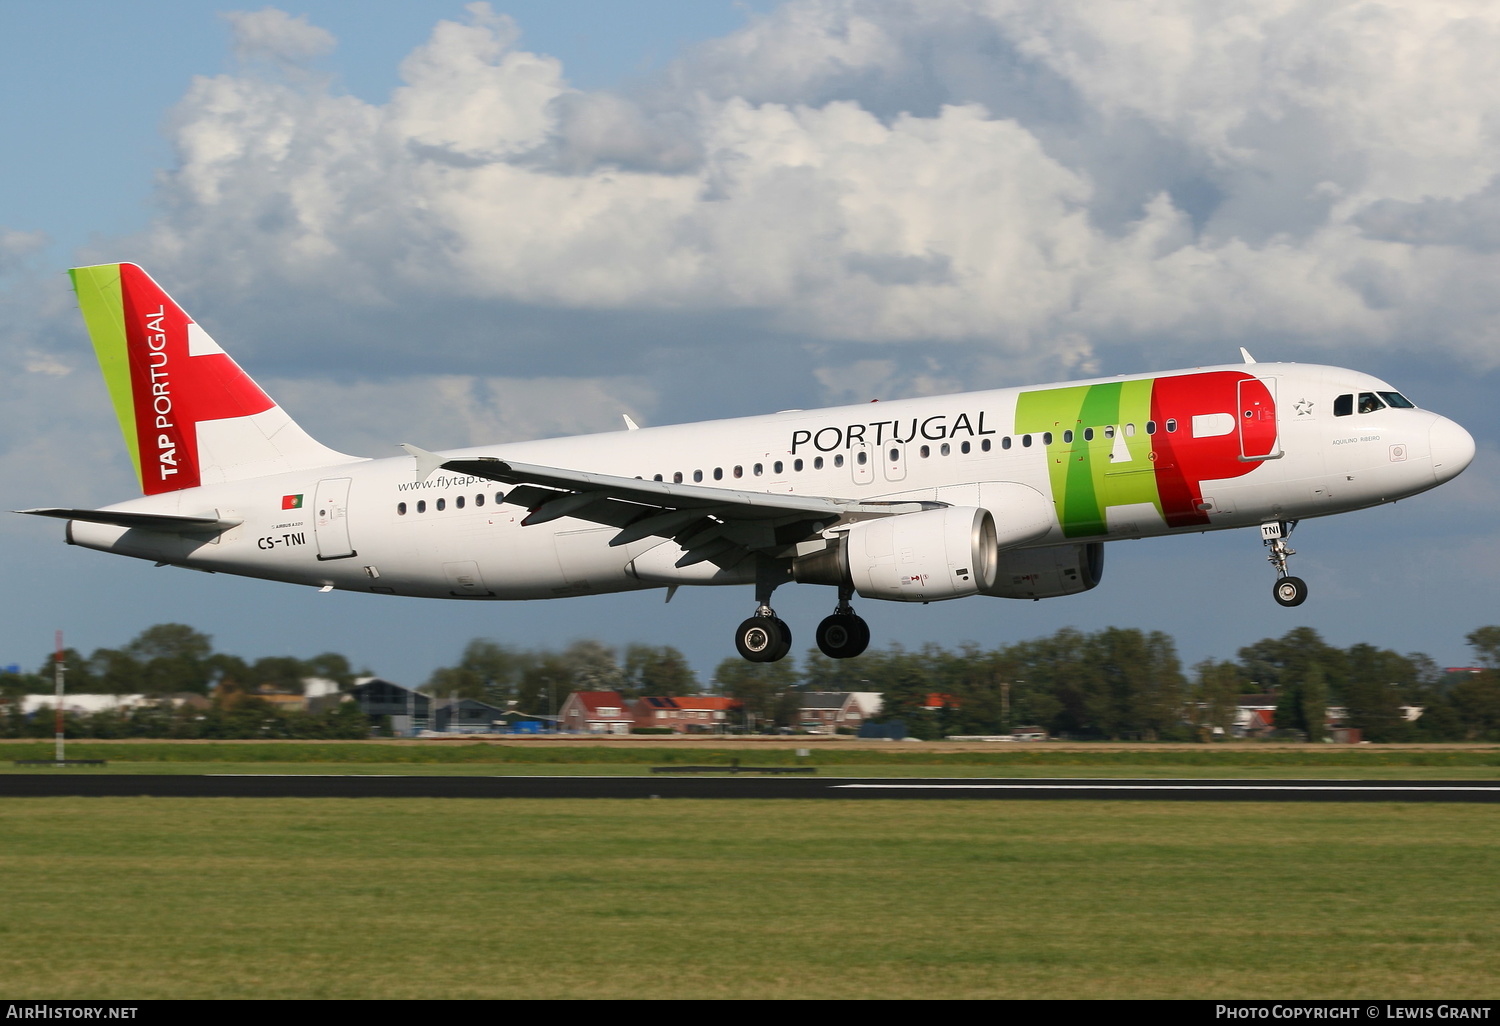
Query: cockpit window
point(1397, 401)
point(1369, 402)
point(1343, 406)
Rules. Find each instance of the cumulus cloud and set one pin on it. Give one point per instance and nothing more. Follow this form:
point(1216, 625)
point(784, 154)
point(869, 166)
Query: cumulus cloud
point(276, 36)
point(17, 247)
point(1037, 187)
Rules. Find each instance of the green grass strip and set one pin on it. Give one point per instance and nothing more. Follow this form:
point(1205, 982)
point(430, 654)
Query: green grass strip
point(481, 753)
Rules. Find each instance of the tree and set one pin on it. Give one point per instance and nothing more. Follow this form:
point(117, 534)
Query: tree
point(81, 676)
point(278, 673)
point(330, 666)
point(115, 672)
point(591, 666)
point(656, 670)
point(1061, 668)
point(766, 691)
point(1486, 644)
point(1216, 690)
point(1377, 680)
point(820, 673)
point(173, 657)
point(1314, 698)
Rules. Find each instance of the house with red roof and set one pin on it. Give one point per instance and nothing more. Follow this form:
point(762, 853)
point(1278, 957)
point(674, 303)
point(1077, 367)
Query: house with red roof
point(595, 712)
point(685, 714)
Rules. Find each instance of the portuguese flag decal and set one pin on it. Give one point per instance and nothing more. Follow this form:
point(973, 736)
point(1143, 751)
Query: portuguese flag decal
point(291, 502)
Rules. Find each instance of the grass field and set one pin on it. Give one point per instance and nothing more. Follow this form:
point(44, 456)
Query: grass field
point(829, 757)
point(173, 898)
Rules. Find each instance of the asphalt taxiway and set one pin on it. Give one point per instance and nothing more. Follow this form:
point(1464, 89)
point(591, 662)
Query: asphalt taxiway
point(67, 784)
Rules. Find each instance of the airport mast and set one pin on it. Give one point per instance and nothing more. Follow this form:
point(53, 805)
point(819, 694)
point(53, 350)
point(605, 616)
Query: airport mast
point(57, 676)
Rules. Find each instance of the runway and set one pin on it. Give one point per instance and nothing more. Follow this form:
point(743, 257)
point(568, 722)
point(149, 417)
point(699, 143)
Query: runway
point(52, 785)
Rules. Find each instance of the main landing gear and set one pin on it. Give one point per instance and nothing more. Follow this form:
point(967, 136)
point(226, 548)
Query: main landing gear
point(1289, 591)
point(765, 637)
point(843, 635)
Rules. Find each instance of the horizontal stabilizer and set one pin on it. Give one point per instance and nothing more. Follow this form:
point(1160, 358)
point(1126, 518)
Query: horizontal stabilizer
point(209, 523)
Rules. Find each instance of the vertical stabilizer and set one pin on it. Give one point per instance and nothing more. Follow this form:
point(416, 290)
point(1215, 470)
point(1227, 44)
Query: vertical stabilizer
point(190, 416)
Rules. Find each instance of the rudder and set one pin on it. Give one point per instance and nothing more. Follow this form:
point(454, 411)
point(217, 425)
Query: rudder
point(189, 414)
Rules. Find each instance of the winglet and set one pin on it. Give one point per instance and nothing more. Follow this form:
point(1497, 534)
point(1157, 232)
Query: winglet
point(1245, 355)
point(427, 462)
point(630, 425)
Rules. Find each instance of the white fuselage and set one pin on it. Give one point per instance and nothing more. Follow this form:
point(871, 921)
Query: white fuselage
point(372, 525)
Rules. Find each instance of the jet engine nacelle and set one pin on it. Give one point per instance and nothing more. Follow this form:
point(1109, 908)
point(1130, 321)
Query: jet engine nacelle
point(1049, 572)
point(914, 557)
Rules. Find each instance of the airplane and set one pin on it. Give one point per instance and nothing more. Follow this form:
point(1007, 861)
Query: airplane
point(1008, 493)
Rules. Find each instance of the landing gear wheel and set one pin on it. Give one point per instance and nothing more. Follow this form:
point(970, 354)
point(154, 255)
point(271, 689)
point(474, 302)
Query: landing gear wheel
point(1291, 591)
point(763, 639)
point(843, 636)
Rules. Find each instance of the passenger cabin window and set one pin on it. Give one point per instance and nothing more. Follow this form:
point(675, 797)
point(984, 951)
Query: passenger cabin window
point(964, 447)
point(838, 460)
point(401, 509)
point(1343, 406)
point(817, 463)
point(985, 445)
point(442, 504)
point(1171, 424)
point(458, 503)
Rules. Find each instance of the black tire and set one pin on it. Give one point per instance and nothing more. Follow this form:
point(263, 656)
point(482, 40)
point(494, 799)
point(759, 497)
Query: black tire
point(785, 644)
point(843, 636)
point(1290, 591)
point(763, 639)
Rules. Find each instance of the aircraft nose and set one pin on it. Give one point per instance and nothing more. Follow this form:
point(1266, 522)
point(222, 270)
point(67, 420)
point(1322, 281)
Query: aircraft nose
point(1452, 449)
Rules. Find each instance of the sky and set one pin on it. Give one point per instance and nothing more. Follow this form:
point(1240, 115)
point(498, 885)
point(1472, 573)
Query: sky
point(453, 225)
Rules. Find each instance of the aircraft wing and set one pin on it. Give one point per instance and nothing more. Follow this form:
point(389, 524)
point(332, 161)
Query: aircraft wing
point(721, 525)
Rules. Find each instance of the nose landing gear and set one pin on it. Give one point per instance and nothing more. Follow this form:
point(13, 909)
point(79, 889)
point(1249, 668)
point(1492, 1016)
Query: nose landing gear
point(1289, 590)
